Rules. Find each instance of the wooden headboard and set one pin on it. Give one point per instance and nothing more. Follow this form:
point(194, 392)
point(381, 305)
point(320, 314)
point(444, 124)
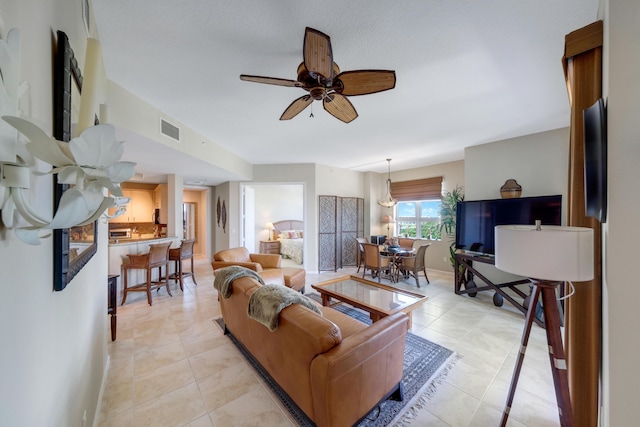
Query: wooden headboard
point(288, 224)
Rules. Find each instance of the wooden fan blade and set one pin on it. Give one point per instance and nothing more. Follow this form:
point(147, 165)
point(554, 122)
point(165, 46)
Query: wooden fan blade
point(363, 82)
point(339, 107)
point(296, 107)
point(270, 80)
point(318, 57)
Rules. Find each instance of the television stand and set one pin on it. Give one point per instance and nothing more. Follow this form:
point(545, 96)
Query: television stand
point(465, 272)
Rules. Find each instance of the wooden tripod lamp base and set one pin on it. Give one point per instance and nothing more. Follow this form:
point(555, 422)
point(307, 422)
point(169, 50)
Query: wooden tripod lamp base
point(552, 255)
point(556, 351)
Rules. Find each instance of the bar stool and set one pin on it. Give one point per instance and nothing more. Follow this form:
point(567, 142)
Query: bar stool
point(157, 257)
point(185, 251)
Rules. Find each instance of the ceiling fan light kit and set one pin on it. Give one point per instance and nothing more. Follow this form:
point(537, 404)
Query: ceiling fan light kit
point(321, 77)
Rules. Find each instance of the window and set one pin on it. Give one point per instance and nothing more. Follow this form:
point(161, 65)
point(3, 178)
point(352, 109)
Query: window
point(418, 210)
point(419, 218)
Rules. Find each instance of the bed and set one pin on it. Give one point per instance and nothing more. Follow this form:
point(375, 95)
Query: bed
point(291, 237)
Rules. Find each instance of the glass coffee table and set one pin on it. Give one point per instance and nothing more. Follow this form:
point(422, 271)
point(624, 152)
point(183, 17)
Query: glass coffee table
point(376, 299)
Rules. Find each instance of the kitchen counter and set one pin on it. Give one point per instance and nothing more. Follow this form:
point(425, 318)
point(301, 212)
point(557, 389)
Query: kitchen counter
point(121, 242)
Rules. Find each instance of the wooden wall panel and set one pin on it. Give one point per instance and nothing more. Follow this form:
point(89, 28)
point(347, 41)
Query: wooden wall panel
point(583, 311)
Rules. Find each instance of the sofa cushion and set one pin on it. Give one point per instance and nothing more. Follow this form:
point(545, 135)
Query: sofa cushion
point(266, 303)
point(348, 325)
point(272, 276)
point(225, 276)
point(240, 254)
point(295, 278)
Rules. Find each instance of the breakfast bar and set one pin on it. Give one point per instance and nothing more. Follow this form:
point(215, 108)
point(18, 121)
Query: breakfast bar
point(119, 249)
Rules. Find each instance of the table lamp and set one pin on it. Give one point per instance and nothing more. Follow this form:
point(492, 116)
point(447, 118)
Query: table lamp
point(388, 219)
point(270, 229)
point(547, 255)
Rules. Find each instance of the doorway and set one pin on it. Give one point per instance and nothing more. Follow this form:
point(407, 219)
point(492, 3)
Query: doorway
point(190, 221)
point(266, 203)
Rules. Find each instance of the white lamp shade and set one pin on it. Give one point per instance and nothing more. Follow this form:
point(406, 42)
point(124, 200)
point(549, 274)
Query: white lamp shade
point(552, 253)
point(388, 219)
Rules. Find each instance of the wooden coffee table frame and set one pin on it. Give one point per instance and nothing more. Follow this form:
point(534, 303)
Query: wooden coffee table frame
point(375, 313)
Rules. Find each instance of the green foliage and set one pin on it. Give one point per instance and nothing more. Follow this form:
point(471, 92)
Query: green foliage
point(431, 230)
point(448, 209)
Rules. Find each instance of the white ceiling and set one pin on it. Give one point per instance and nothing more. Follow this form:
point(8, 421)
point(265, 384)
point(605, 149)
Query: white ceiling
point(468, 72)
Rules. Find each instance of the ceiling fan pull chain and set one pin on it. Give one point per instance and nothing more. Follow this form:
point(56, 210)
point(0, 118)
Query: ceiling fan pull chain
point(311, 115)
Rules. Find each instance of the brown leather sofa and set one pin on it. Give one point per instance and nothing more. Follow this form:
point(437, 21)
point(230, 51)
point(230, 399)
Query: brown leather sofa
point(334, 367)
point(294, 278)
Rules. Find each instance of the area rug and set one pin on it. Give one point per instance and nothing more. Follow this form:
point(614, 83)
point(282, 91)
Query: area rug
point(425, 366)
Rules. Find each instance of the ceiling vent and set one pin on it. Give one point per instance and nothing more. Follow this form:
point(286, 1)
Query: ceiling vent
point(169, 130)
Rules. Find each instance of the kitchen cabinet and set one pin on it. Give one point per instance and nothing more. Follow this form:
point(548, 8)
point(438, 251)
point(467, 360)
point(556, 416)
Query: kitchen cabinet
point(140, 207)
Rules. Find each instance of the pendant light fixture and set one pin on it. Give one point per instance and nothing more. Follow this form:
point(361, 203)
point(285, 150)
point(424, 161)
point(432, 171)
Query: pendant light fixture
point(388, 201)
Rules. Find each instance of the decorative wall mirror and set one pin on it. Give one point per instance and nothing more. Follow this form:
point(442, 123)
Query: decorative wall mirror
point(72, 247)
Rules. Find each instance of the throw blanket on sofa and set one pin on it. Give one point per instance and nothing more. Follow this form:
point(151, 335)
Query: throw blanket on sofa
point(266, 303)
point(225, 276)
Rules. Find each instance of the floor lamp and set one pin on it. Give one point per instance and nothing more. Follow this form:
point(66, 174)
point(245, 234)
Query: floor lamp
point(548, 255)
point(388, 219)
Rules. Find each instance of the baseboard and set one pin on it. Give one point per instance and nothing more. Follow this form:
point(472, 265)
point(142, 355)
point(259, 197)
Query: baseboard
point(105, 376)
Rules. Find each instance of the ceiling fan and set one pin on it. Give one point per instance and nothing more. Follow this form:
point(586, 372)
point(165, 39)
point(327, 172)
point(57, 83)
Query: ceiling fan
point(321, 77)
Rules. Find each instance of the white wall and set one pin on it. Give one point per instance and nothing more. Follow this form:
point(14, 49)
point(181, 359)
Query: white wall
point(145, 124)
point(621, 236)
point(53, 344)
point(538, 162)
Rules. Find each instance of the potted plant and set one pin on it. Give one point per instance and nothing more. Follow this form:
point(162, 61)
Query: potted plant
point(448, 207)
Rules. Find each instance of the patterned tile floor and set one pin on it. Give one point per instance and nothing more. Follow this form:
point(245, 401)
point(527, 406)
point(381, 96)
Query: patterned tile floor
point(171, 365)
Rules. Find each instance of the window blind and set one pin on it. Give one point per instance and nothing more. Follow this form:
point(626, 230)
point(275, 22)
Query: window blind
point(418, 189)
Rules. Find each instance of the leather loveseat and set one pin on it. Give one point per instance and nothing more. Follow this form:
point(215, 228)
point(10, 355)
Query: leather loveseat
point(336, 369)
point(294, 278)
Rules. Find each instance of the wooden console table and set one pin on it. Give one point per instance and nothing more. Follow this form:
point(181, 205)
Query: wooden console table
point(465, 272)
point(112, 304)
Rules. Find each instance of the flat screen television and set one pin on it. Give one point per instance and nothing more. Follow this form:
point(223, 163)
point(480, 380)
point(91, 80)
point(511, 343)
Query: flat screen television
point(476, 219)
point(595, 161)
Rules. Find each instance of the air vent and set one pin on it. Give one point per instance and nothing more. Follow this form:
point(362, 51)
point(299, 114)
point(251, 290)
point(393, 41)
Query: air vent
point(169, 130)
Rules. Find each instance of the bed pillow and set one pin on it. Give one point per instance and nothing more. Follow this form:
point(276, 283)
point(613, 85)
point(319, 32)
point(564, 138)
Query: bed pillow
point(299, 234)
point(286, 234)
point(292, 234)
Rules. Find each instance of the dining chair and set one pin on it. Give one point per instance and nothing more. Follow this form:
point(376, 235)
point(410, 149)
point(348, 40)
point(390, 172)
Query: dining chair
point(405, 242)
point(157, 257)
point(359, 242)
point(377, 263)
point(178, 255)
point(414, 264)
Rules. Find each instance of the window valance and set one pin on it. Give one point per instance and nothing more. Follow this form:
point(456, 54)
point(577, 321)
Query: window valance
point(417, 189)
